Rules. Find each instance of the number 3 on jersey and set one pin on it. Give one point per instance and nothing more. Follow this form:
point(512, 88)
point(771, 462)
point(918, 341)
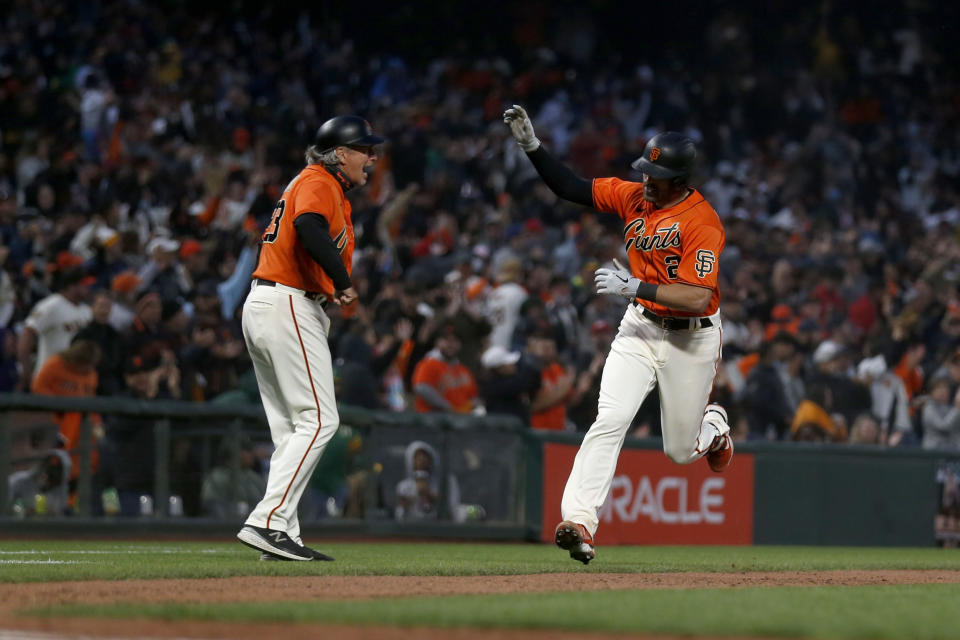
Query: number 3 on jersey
point(270, 234)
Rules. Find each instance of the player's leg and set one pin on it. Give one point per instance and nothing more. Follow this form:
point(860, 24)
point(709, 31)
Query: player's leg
point(303, 367)
point(262, 315)
point(685, 380)
point(628, 376)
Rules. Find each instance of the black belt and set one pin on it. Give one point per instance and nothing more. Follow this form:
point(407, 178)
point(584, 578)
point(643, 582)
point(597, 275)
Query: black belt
point(674, 324)
point(309, 295)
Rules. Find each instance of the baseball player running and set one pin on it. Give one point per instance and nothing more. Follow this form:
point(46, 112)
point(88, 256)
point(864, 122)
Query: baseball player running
point(305, 261)
point(670, 332)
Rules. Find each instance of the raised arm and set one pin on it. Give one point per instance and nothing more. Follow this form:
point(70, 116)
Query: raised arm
point(556, 175)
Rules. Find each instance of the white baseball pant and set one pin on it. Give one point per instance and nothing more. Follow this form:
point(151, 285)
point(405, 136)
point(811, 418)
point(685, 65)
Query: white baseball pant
point(683, 364)
point(286, 335)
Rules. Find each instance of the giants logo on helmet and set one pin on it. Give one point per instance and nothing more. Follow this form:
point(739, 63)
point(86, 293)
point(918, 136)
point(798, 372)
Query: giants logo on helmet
point(654, 154)
point(634, 234)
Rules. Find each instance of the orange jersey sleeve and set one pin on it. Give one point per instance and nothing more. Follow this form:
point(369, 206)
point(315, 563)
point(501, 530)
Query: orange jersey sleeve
point(703, 240)
point(283, 258)
point(613, 195)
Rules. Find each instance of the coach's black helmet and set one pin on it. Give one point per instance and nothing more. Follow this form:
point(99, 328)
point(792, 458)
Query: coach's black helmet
point(345, 131)
point(667, 155)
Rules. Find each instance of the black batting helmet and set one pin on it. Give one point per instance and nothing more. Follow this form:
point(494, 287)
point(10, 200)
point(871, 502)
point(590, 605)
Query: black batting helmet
point(345, 131)
point(667, 155)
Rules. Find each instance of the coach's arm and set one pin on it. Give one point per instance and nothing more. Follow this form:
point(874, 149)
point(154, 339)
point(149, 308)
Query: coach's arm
point(313, 231)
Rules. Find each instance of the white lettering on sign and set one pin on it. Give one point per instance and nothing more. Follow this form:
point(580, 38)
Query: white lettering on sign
point(667, 502)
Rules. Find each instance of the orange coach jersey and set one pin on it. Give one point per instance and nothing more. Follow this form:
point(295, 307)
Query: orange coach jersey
point(678, 244)
point(282, 258)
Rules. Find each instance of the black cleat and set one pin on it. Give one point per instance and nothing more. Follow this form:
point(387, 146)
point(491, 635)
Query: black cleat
point(274, 542)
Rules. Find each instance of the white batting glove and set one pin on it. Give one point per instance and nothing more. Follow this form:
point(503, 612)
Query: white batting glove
point(522, 128)
point(616, 282)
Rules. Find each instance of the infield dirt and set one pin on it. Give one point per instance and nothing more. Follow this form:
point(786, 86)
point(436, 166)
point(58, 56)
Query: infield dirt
point(15, 598)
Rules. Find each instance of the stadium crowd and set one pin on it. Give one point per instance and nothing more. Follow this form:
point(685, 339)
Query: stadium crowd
point(143, 151)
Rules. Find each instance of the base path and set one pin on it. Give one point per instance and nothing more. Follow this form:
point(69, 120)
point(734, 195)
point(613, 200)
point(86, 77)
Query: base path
point(17, 597)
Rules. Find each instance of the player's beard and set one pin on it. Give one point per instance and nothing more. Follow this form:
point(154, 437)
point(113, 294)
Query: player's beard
point(650, 192)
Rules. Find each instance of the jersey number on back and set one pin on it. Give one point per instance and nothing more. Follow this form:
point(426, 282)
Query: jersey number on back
point(270, 234)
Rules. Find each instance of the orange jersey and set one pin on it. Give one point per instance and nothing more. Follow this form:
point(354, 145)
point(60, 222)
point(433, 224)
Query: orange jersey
point(554, 418)
point(453, 380)
point(679, 244)
point(282, 258)
point(57, 378)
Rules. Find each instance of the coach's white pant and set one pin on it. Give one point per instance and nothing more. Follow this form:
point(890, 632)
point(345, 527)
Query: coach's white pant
point(286, 335)
point(683, 364)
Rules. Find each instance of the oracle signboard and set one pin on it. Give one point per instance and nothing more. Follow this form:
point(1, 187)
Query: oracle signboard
point(652, 500)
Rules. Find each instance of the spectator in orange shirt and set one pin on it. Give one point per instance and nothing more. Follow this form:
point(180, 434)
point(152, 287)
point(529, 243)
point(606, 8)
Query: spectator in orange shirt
point(782, 318)
point(549, 407)
point(909, 370)
point(440, 382)
point(71, 373)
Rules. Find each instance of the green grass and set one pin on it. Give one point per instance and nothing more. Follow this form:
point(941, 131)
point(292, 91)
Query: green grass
point(914, 611)
point(40, 561)
point(922, 612)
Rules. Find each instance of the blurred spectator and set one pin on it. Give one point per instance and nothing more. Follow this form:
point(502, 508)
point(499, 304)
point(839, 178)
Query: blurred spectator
point(890, 404)
point(336, 481)
point(131, 441)
point(866, 430)
point(102, 333)
point(53, 322)
point(468, 320)
point(767, 396)
point(504, 301)
point(163, 272)
point(507, 384)
point(9, 376)
point(72, 373)
point(235, 274)
point(831, 364)
point(908, 369)
point(583, 403)
point(145, 335)
point(42, 490)
point(419, 493)
point(440, 382)
point(548, 407)
point(227, 494)
point(124, 287)
point(814, 420)
point(94, 99)
point(195, 260)
point(213, 359)
point(940, 418)
point(563, 315)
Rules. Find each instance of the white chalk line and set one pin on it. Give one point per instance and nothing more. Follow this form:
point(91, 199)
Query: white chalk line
point(126, 551)
point(43, 562)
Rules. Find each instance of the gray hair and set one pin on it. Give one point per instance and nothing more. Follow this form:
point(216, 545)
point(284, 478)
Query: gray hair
point(315, 156)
